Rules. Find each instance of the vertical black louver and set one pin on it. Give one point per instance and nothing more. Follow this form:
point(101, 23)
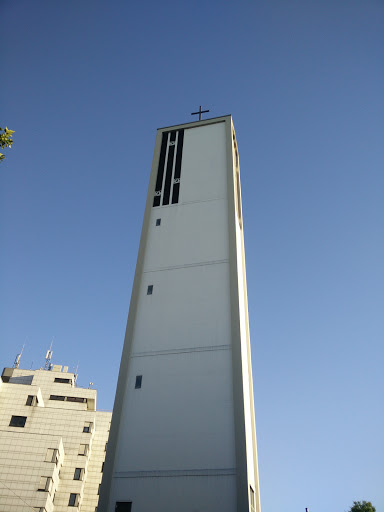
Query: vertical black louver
point(176, 176)
point(169, 170)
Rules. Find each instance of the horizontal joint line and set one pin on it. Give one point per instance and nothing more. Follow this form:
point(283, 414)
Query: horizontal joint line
point(181, 351)
point(176, 473)
point(187, 265)
point(204, 200)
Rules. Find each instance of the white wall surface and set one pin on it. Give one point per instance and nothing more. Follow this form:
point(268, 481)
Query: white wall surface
point(244, 359)
point(188, 234)
point(189, 307)
point(182, 418)
point(178, 494)
point(203, 172)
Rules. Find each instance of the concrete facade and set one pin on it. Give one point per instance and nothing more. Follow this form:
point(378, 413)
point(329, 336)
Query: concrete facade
point(183, 428)
point(52, 442)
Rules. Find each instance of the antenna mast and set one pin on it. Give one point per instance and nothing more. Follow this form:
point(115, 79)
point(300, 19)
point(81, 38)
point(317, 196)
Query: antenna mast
point(48, 356)
point(17, 358)
point(76, 370)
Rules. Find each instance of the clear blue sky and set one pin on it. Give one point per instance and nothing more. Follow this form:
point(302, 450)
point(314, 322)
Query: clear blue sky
point(86, 84)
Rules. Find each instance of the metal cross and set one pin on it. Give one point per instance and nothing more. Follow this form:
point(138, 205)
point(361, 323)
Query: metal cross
point(199, 112)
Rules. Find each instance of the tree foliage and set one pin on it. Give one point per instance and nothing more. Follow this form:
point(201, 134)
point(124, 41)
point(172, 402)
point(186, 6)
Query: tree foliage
point(6, 140)
point(362, 506)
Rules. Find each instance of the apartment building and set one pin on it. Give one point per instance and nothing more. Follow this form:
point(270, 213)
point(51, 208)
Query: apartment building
point(52, 442)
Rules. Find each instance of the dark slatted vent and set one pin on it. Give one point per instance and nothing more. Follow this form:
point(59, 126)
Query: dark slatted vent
point(168, 174)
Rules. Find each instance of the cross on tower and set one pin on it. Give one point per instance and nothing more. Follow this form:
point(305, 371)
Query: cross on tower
point(199, 112)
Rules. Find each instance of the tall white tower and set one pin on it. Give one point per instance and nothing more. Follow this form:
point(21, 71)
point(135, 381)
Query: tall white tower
point(183, 430)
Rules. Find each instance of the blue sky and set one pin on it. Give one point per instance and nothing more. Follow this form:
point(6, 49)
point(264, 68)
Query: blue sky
point(86, 84)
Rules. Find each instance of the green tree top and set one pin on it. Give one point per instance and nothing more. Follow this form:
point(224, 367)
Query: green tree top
point(6, 140)
point(362, 506)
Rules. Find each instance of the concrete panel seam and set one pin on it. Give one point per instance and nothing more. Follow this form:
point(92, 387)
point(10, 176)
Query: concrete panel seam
point(176, 473)
point(187, 265)
point(198, 201)
point(181, 351)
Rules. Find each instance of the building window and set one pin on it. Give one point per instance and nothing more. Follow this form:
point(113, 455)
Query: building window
point(52, 455)
point(87, 427)
point(17, 421)
point(150, 289)
point(83, 450)
point(102, 467)
point(158, 222)
point(32, 400)
point(73, 500)
point(76, 399)
point(45, 484)
point(123, 506)
point(79, 473)
point(57, 397)
point(61, 398)
point(139, 379)
point(63, 381)
point(252, 498)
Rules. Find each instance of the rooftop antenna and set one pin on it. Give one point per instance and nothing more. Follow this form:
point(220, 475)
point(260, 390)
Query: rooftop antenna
point(17, 358)
point(90, 385)
point(77, 367)
point(48, 356)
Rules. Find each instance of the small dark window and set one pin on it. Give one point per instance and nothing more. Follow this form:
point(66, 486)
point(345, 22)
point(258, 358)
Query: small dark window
point(73, 500)
point(102, 467)
point(158, 222)
point(30, 400)
point(123, 506)
point(76, 399)
point(87, 427)
point(18, 421)
point(57, 397)
point(78, 474)
point(63, 381)
point(150, 289)
point(139, 379)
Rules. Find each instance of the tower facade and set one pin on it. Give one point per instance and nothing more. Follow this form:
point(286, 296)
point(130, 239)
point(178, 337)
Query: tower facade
point(183, 428)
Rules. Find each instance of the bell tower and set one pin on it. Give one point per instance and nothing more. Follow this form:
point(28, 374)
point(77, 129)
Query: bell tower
point(183, 428)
